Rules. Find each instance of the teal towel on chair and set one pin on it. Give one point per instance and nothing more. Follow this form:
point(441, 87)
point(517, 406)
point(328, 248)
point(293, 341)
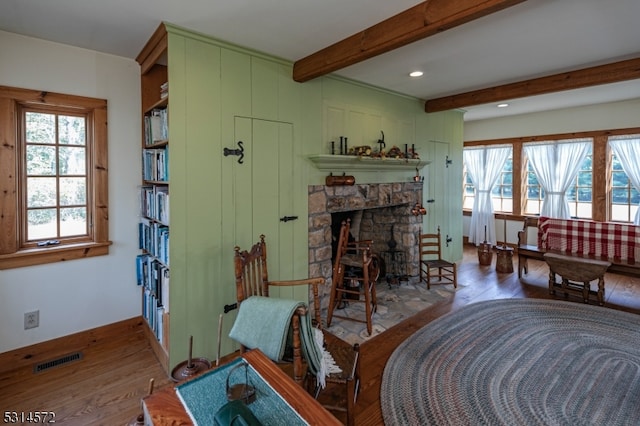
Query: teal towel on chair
point(263, 322)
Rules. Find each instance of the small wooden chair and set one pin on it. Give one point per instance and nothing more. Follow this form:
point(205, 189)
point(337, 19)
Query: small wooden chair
point(252, 279)
point(434, 269)
point(359, 286)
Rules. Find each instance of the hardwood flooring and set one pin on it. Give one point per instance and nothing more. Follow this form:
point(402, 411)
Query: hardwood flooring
point(106, 385)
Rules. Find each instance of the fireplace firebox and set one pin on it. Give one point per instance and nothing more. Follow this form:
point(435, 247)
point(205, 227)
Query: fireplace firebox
point(378, 212)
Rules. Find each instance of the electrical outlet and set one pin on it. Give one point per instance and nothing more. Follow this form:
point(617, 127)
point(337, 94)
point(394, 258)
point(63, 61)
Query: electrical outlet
point(31, 319)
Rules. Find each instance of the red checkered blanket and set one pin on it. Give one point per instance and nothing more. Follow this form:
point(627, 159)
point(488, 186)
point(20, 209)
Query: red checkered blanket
point(614, 241)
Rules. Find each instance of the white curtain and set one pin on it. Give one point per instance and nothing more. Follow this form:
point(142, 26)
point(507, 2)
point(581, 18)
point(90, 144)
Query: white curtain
point(627, 149)
point(556, 165)
point(484, 166)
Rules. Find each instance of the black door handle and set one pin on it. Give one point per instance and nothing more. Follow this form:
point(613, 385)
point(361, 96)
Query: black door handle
point(288, 218)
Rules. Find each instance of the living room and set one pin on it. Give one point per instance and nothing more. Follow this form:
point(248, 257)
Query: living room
point(84, 294)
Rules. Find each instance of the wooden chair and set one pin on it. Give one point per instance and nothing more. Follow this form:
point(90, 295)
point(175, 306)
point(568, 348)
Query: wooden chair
point(434, 269)
point(252, 279)
point(360, 284)
point(523, 245)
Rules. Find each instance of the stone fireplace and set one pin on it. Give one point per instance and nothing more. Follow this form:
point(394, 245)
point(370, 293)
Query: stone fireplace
point(380, 212)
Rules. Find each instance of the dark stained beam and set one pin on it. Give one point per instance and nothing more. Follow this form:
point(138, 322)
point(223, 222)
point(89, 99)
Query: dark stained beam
point(594, 76)
point(419, 22)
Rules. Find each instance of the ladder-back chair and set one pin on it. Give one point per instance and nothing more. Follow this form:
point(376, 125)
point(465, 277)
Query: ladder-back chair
point(433, 268)
point(360, 284)
point(252, 279)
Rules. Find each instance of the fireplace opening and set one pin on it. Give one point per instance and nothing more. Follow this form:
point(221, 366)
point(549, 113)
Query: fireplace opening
point(377, 225)
point(379, 212)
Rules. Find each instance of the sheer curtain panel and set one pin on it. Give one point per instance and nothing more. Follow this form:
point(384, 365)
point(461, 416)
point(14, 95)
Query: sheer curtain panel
point(556, 164)
point(627, 149)
point(484, 166)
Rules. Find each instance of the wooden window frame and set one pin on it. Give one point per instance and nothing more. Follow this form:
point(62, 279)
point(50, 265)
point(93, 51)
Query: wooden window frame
point(601, 162)
point(13, 254)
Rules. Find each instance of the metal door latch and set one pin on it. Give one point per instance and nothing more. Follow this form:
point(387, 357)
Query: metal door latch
point(237, 151)
point(288, 218)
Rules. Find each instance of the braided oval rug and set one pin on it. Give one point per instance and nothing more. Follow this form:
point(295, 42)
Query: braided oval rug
point(517, 362)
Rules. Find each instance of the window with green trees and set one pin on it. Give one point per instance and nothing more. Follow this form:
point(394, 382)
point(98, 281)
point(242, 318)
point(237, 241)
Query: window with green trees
point(53, 172)
point(601, 190)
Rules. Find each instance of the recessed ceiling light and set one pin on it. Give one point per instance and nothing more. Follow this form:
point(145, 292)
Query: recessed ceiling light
point(416, 74)
point(503, 105)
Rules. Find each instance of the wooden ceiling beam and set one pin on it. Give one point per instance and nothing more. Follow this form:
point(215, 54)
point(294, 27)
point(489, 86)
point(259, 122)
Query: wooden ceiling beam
point(421, 21)
point(593, 76)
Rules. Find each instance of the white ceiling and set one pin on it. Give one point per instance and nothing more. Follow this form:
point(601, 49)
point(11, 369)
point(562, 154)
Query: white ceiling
point(528, 40)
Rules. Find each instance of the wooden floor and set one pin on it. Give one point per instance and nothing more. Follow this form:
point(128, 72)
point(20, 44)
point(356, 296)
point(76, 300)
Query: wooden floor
point(105, 386)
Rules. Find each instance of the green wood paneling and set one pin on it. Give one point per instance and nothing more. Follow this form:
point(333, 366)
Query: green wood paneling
point(195, 156)
point(221, 94)
point(202, 173)
point(264, 89)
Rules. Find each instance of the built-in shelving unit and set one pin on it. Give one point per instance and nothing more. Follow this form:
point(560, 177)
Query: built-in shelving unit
point(352, 162)
point(153, 261)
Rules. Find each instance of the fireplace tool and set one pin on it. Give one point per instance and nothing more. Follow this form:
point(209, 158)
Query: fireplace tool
point(191, 367)
point(485, 255)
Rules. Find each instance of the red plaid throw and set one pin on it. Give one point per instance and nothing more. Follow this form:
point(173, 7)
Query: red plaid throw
point(613, 241)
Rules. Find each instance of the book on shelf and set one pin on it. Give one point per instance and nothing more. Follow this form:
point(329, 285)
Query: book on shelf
point(154, 202)
point(164, 286)
point(153, 238)
point(155, 164)
point(156, 126)
point(153, 313)
point(164, 90)
point(153, 276)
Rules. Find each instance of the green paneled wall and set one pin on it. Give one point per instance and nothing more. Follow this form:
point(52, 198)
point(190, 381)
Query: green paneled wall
point(220, 94)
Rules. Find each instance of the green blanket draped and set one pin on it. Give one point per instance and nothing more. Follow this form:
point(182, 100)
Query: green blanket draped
point(264, 323)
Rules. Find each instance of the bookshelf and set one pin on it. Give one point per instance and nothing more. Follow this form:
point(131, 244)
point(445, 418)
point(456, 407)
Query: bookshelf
point(152, 264)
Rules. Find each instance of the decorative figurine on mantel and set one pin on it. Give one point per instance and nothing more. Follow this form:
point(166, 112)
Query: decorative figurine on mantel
point(380, 152)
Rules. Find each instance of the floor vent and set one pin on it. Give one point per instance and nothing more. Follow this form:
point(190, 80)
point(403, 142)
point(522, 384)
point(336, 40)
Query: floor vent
point(47, 365)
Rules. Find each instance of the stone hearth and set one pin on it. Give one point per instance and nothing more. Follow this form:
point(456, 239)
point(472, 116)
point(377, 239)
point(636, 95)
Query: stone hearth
point(383, 206)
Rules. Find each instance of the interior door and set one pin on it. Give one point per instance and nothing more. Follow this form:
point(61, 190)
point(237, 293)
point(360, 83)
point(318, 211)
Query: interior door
point(263, 191)
point(437, 199)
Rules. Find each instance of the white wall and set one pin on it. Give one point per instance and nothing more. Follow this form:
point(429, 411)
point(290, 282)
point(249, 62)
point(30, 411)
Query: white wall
point(79, 294)
point(613, 115)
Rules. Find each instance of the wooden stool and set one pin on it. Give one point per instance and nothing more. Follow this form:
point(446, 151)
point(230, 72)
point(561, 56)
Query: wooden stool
point(576, 274)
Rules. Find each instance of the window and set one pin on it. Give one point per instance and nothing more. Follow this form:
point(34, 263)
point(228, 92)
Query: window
point(579, 194)
point(468, 191)
point(559, 174)
point(55, 165)
point(625, 178)
point(600, 191)
point(56, 177)
point(624, 197)
point(535, 193)
point(501, 193)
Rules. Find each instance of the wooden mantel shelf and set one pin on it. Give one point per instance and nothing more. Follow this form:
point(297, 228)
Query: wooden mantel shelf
point(352, 162)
